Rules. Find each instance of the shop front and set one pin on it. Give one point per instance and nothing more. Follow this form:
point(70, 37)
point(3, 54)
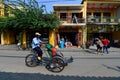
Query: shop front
point(71, 35)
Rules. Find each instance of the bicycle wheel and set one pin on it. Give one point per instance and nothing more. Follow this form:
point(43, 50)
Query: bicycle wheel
point(63, 58)
point(31, 60)
point(55, 65)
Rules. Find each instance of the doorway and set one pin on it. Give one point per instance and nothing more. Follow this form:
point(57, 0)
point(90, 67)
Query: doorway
point(69, 36)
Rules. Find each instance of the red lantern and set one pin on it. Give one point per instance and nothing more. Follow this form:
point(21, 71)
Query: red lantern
point(109, 7)
point(88, 7)
point(115, 7)
point(93, 7)
point(101, 6)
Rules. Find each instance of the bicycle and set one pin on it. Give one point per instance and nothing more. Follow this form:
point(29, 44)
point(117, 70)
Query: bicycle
point(53, 63)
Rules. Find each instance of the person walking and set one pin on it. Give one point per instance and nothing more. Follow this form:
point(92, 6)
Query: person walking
point(99, 45)
point(105, 42)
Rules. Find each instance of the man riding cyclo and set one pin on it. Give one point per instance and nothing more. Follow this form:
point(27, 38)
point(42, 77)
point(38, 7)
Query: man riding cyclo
point(36, 45)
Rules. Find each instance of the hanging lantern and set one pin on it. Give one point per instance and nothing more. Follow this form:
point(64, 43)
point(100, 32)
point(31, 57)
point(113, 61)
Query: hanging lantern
point(109, 7)
point(88, 7)
point(93, 7)
point(115, 7)
point(101, 6)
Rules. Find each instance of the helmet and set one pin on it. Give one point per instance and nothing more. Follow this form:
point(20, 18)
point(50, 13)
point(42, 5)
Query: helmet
point(37, 34)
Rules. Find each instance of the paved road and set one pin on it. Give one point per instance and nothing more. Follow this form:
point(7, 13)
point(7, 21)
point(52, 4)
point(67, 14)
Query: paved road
point(87, 65)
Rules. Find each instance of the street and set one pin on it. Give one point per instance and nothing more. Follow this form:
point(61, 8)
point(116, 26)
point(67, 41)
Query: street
point(87, 65)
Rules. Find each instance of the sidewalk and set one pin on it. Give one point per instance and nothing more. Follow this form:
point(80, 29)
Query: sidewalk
point(114, 53)
point(8, 47)
point(111, 49)
point(75, 52)
point(92, 49)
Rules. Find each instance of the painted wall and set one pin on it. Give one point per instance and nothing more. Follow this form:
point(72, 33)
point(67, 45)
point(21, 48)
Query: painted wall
point(51, 37)
point(7, 37)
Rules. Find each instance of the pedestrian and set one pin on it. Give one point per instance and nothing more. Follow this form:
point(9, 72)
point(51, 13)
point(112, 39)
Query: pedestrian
point(99, 45)
point(62, 43)
point(105, 42)
point(94, 41)
point(68, 44)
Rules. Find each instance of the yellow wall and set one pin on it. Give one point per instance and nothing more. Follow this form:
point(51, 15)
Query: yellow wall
point(2, 10)
point(52, 37)
point(7, 37)
point(80, 42)
point(24, 39)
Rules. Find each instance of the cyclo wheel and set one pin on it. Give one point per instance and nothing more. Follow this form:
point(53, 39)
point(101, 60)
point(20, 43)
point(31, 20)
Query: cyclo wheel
point(55, 65)
point(31, 60)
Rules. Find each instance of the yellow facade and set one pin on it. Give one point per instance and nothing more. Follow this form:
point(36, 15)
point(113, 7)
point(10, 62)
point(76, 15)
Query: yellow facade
point(89, 9)
point(52, 37)
point(103, 18)
point(24, 43)
point(66, 13)
point(104, 12)
point(7, 37)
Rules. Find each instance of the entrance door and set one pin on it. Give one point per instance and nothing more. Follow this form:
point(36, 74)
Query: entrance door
point(70, 36)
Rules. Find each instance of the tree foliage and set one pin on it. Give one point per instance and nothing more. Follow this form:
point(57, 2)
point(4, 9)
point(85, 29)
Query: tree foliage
point(3, 22)
point(30, 16)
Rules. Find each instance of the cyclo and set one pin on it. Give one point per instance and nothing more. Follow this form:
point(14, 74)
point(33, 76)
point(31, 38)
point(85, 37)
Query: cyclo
point(54, 60)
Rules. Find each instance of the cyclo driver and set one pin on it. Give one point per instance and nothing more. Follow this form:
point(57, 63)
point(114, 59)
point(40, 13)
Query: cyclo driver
point(36, 42)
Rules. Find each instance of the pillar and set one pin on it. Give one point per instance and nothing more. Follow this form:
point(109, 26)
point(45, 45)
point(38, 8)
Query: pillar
point(24, 40)
point(52, 37)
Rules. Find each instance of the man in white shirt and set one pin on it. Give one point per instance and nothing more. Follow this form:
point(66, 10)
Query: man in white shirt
point(36, 42)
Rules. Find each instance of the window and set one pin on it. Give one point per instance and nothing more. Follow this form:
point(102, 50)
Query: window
point(107, 14)
point(97, 14)
point(63, 16)
point(89, 14)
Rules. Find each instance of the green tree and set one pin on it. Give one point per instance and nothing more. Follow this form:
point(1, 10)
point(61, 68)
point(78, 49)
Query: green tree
point(30, 16)
point(3, 21)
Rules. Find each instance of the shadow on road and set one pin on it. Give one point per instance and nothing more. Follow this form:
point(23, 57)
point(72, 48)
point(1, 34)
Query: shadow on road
point(91, 51)
point(117, 68)
point(12, 56)
point(38, 76)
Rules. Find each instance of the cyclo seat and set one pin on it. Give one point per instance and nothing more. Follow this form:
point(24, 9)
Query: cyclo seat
point(48, 46)
point(51, 50)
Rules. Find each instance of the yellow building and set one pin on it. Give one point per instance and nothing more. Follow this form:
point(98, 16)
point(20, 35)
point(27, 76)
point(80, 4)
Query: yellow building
point(95, 18)
point(79, 23)
point(103, 17)
point(73, 24)
point(7, 37)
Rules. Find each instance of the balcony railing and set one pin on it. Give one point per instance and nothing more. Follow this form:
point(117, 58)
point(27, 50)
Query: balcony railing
point(107, 20)
point(90, 20)
point(72, 21)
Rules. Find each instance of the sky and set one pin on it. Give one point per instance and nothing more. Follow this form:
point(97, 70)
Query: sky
point(49, 3)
